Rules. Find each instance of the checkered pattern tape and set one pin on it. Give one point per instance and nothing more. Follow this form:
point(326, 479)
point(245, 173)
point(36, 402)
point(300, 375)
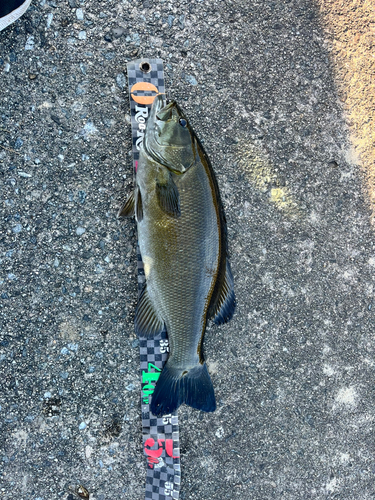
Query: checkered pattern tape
point(160, 435)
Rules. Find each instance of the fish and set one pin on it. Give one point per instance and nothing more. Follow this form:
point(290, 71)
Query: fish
point(182, 236)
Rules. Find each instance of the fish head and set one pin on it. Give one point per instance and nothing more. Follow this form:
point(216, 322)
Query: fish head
point(169, 139)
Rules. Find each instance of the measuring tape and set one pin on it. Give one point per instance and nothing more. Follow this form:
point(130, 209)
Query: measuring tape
point(160, 434)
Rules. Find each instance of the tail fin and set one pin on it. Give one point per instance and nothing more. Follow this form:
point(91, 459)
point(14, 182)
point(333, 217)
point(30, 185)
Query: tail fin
point(176, 386)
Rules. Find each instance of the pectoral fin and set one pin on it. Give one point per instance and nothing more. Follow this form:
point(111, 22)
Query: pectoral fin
point(224, 302)
point(168, 197)
point(147, 322)
point(128, 209)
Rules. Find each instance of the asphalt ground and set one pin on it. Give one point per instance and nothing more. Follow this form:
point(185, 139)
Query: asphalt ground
point(294, 370)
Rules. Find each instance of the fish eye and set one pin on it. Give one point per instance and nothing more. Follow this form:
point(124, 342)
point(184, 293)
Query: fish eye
point(183, 122)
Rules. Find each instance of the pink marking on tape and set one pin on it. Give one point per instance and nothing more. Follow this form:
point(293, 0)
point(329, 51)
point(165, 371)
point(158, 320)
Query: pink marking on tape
point(136, 165)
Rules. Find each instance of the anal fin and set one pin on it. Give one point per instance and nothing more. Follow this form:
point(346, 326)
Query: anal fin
point(147, 322)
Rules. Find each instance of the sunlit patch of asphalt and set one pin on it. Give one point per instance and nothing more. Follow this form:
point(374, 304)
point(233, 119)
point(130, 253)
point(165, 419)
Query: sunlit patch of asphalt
point(350, 28)
point(253, 160)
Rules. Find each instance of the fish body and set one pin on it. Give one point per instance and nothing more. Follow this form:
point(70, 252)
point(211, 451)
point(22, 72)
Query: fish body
point(182, 239)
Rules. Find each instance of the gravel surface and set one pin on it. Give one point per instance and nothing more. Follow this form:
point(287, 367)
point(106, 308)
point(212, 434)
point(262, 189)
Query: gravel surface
point(294, 370)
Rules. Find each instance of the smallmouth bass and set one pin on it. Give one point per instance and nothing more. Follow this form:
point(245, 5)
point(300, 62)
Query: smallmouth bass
point(183, 242)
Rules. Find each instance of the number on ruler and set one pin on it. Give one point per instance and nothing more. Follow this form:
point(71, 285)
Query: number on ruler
point(168, 488)
point(164, 346)
point(167, 419)
point(168, 444)
point(147, 379)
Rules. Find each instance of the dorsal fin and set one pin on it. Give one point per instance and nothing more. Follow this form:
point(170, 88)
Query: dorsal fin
point(223, 300)
point(223, 303)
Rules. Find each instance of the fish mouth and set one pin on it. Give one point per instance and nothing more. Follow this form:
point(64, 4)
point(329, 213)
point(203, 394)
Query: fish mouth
point(167, 112)
point(157, 105)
